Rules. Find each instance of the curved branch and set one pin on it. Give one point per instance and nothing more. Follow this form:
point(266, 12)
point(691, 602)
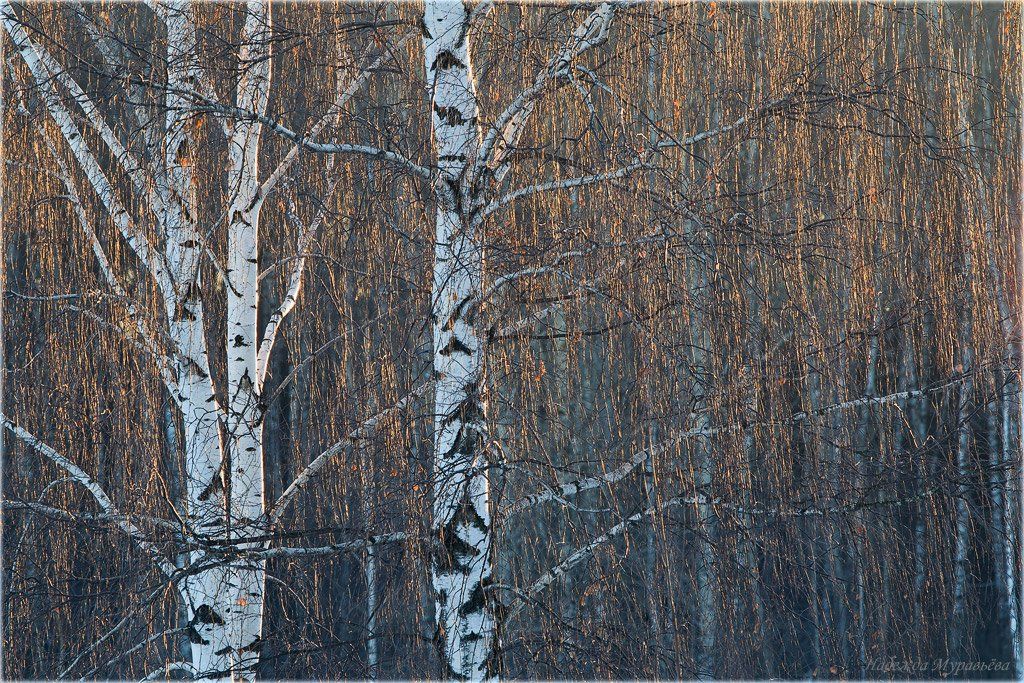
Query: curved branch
point(141, 181)
point(344, 95)
point(148, 340)
point(573, 560)
point(211, 107)
point(84, 517)
point(566, 565)
point(95, 490)
point(332, 549)
point(578, 486)
point(110, 633)
point(671, 143)
point(505, 133)
point(291, 296)
point(564, 184)
point(136, 648)
point(152, 259)
point(166, 670)
point(363, 431)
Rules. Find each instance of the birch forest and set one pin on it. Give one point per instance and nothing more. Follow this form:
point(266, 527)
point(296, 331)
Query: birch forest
point(473, 340)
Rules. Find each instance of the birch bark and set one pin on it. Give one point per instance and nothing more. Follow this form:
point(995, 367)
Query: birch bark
point(958, 627)
point(655, 53)
point(698, 277)
point(244, 419)
point(201, 591)
point(1005, 530)
point(957, 632)
point(461, 525)
point(224, 481)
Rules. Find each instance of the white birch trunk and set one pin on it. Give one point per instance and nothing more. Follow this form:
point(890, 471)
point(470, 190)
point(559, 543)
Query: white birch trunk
point(223, 488)
point(177, 494)
point(461, 525)
point(202, 590)
point(653, 112)
point(961, 550)
point(862, 447)
point(815, 441)
point(224, 600)
point(1011, 522)
point(996, 486)
point(244, 421)
point(747, 547)
point(370, 573)
point(957, 633)
point(1004, 460)
point(698, 276)
point(702, 458)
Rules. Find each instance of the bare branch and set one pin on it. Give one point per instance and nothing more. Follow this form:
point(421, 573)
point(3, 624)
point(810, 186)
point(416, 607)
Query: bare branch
point(306, 234)
point(213, 107)
point(152, 259)
point(110, 633)
point(565, 184)
point(578, 486)
point(566, 565)
point(344, 95)
point(141, 326)
point(165, 671)
point(363, 431)
point(94, 489)
point(86, 517)
point(141, 181)
point(136, 648)
point(504, 134)
point(332, 549)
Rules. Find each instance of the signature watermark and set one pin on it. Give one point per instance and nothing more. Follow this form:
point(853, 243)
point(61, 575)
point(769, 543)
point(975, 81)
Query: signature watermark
point(941, 667)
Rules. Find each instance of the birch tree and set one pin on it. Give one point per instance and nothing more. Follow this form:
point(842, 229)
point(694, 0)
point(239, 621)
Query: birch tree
point(473, 340)
point(223, 505)
point(224, 510)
